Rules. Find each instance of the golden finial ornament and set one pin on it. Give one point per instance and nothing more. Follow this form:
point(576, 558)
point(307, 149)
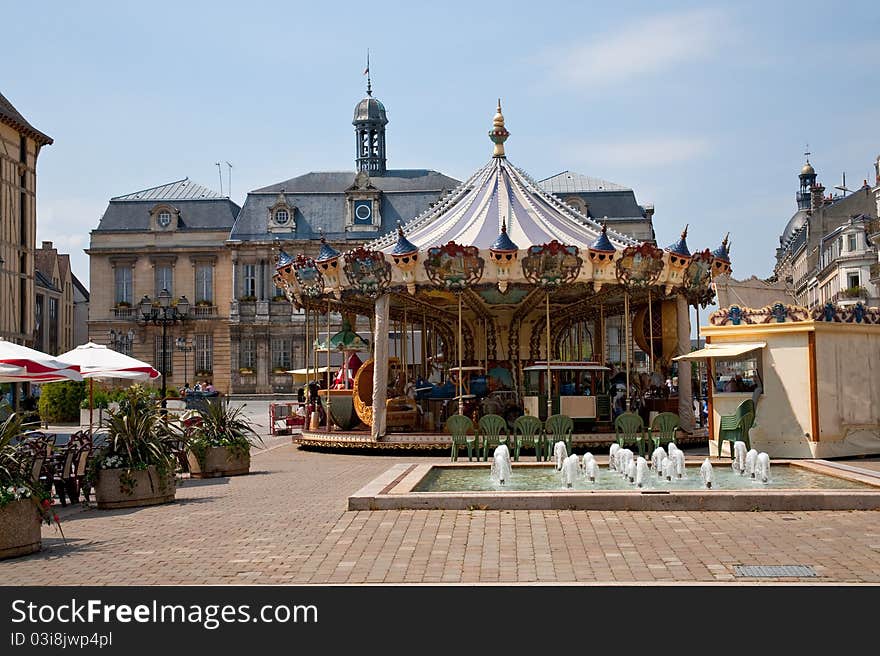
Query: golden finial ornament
point(498, 134)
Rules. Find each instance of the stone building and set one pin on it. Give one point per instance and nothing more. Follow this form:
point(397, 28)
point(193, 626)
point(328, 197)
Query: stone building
point(60, 324)
point(167, 237)
point(346, 208)
point(20, 145)
point(604, 201)
point(824, 253)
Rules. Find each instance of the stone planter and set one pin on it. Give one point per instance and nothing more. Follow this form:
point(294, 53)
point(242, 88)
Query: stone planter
point(218, 462)
point(19, 529)
point(148, 488)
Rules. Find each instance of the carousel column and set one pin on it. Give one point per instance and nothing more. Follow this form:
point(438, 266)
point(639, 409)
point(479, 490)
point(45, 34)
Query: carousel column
point(685, 395)
point(380, 365)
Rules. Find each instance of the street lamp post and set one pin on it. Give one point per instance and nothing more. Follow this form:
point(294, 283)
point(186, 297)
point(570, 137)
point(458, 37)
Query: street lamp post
point(184, 345)
point(121, 341)
point(163, 313)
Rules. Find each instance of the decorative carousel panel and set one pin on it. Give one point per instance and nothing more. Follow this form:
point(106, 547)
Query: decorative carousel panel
point(551, 265)
point(308, 277)
point(453, 266)
point(696, 281)
point(639, 266)
point(367, 270)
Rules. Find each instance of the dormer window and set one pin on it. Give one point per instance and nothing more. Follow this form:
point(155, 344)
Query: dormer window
point(164, 217)
point(281, 215)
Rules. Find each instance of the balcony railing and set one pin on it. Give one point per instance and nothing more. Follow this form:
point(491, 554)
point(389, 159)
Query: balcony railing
point(203, 311)
point(852, 295)
point(128, 313)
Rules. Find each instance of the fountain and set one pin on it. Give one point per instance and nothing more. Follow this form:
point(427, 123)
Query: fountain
point(762, 467)
point(666, 469)
point(612, 455)
point(631, 471)
point(641, 471)
point(591, 468)
point(657, 459)
point(560, 453)
point(706, 473)
point(501, 468)
point(678, 463)
point(569, 469)
point(751, 461)
point(739, 457)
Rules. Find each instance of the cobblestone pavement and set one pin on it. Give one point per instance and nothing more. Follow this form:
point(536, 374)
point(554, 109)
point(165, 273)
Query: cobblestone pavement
point(287, 523)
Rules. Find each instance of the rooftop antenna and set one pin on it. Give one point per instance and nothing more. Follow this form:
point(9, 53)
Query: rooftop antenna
point(220, 175)
point(807, 152)
point(229, 178)
point(842, 185)
point(367, 73)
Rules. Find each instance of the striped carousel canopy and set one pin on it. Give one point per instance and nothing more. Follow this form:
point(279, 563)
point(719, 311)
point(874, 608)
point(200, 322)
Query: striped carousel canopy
point(498, 193)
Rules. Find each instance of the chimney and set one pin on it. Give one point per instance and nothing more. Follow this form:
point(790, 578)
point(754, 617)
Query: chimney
point(816, 196)
point(47, 245)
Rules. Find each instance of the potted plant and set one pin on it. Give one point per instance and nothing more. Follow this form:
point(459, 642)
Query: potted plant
point(279, 298)
point(220, 442)
point(247, 298)
point(24, 505)
point(136, 466)
point(246, 371)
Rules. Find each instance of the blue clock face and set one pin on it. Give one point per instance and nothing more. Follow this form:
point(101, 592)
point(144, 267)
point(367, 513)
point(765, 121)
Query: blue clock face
point(363, 212)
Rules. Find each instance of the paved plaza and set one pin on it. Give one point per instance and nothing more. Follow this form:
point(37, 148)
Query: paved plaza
point(287, 523)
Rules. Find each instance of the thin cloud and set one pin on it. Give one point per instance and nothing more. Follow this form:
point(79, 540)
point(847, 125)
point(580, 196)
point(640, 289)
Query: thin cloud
point(643, 48)
point(646, 152)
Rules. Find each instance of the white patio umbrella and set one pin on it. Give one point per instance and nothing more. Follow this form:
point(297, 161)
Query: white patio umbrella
point(99, 361)
point(20, 364)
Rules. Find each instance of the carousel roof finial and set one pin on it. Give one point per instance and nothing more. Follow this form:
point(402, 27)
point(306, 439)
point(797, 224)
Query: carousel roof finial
point(403, 246)
point(602, 242)
point(680, 247)
point(327, 252)
point(723, 251)
point(504, 243)
point(498, 134)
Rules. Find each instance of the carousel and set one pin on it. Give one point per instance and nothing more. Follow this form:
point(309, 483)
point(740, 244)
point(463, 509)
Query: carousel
point(498, 300)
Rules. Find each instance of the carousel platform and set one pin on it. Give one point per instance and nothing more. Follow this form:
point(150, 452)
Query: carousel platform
point(322, 439)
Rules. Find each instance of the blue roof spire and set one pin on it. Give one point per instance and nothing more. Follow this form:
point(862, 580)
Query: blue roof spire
point(680, 247)
point(602, 243)
point(723, 251)
point(403, 246)
point(327, 252)
point(503, 242)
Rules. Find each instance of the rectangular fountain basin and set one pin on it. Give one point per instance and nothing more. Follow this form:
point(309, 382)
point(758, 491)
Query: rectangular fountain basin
point(793, 485)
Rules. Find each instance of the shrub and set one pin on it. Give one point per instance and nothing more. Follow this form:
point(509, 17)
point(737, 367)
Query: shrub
point(60, 402)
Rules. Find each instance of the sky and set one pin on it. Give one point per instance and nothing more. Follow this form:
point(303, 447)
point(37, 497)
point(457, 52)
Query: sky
point(704, 109)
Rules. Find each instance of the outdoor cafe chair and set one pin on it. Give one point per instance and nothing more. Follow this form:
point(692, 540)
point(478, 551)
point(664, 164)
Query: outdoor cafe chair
point(629, 428)
point(528, 431)
point(493, 431)
point(663, 428)
point(558, 428)
point(736, 426)
point(459, 427)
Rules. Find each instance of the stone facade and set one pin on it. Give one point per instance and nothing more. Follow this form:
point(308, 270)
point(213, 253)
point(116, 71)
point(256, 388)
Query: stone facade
point(172, 237)
point(60, 324)
point(826, 249)
point(20, 145)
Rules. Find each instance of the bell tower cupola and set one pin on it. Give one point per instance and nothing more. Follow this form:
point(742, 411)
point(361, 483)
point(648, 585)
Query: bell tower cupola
point(369, 127)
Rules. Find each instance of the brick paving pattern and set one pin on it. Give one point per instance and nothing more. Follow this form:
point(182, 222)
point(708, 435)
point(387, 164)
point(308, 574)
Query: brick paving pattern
point(287, 523)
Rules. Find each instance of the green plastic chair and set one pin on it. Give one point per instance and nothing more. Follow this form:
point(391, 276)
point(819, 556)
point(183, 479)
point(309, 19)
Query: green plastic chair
point(527, 431)
point(736, 426)
point(630, 428)
point(663, 428)
point(556, 428)
point(493, 431)
point(459, 426)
